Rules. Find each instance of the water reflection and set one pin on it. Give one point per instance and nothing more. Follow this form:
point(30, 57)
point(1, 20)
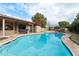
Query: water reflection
point(41, 42)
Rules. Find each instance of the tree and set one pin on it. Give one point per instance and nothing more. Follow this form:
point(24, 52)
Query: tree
point(56, 27)
point(64, 24)
point(75, 25)
point(40, 20)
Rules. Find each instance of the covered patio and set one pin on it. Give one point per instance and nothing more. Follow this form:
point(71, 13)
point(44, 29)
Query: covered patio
point(12, 25)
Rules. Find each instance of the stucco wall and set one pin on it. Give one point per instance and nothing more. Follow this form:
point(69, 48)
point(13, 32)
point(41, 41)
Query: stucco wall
point(38, 29)
point(43, 29)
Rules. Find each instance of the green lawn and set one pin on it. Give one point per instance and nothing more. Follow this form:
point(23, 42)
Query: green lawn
point(75, 37)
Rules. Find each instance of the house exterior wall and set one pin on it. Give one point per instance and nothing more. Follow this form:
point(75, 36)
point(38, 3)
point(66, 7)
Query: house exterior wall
point(43, 29)
point(28, 28)
point(15, 30)
point(10, 26)
point(38, 29)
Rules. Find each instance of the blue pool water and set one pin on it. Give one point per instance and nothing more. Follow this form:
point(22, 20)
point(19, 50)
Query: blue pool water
point(46, 44)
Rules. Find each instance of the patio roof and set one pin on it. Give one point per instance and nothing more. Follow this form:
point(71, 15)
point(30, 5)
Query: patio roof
point(16, 19)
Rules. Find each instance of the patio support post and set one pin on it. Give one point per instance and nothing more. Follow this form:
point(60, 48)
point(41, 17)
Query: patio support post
point(17, 28)
point(3, 26)
point(14, 27)
point(32, 28)
point(28, 28)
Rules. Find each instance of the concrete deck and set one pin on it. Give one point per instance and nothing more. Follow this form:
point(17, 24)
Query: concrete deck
point(13, 37)
point(72, 46)
point(8, 39)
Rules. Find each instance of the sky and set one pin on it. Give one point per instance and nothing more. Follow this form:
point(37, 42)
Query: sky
point(54, 12)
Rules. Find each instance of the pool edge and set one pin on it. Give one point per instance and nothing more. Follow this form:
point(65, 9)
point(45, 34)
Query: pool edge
point(73, 54)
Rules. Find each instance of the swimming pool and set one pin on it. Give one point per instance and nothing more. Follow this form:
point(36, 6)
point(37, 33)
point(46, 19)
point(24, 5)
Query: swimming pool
point(45, 44)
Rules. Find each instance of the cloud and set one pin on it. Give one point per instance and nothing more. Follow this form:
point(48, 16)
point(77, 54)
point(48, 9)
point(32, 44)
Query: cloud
point(54, 12)
point(49, 11)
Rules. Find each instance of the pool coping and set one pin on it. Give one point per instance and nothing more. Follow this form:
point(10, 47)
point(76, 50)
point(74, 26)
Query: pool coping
point(73, 54)
point(71, 46)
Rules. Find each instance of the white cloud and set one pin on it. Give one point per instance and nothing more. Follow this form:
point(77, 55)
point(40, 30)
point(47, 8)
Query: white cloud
point(53, 12)
point(49, 10)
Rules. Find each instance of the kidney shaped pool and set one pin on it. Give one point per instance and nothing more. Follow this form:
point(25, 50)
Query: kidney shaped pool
point(45, 44)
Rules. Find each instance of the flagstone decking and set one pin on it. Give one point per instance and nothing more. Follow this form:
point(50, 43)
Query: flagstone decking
point(73, 47)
